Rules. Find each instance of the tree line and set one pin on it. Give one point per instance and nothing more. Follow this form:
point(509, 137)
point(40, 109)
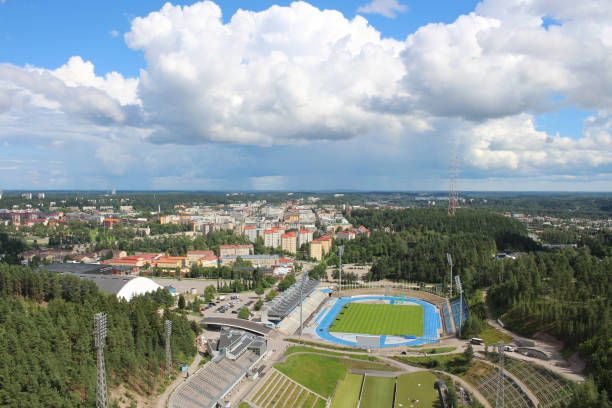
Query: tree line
point(47, 355)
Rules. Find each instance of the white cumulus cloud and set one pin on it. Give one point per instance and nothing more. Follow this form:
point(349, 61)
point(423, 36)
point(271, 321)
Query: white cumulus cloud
point(282, 75)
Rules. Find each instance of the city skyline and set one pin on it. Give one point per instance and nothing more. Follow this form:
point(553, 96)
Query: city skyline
point(297, 97)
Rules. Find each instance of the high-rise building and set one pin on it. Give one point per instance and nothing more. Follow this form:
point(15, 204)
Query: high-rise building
point(289, 242)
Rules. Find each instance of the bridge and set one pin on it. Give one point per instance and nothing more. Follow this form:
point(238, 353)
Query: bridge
point(241, 324)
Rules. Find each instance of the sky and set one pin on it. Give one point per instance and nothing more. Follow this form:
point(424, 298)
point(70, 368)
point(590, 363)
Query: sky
point(304, 96)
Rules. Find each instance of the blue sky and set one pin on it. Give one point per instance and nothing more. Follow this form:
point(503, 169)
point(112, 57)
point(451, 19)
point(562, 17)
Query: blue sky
point(282, 95)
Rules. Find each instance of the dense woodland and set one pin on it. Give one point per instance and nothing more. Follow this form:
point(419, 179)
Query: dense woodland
point(47, 355)
point(416, 248)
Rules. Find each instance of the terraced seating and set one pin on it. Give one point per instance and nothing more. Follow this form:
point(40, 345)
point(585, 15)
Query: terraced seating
point(455, 306)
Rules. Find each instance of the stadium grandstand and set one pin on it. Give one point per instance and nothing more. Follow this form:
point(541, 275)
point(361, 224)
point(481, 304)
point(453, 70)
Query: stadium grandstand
point(234, 355)
point(124, 287)
point(282, 305)
point(455, 311)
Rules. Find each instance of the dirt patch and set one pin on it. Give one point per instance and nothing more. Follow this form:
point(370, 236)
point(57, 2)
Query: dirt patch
point(126, 398)
point(547, 338)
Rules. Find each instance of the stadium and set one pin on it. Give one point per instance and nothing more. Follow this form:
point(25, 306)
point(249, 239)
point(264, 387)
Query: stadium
point(371, 319)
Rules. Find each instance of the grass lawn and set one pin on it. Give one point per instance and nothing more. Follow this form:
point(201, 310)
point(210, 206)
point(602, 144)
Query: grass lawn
point(347, 392)
point(321, 373)
point(244, 405)
point(379, 319)
point(377, 392)
point(408, 389)
point(491, 335)
point(301, 349)
point(327, 346)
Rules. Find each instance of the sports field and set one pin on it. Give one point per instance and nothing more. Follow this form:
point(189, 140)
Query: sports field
point(380, 319)
point(416, 386)
point(347, 392)
point(377, 392)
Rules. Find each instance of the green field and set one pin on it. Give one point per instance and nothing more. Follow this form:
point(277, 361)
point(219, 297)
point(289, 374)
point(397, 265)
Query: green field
point(377, 392)
point(321, 373)
point(408, 390)
point(347, 392)
point(380, 319)
point(303, 349)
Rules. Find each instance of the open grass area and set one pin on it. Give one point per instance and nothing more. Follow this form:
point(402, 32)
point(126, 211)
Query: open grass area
point(416, 386)
point(491, 335)
point(453, 363)
point(244, 405)
point(377, 392)
point(321, 373)
point(347, 392)
point(304, 349)
point(380, 319)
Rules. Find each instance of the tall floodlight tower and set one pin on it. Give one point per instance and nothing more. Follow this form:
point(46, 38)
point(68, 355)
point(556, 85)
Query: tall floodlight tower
point(340, 252)
point(450, 263)
point(168, 327)
point(100, 339)
point(499, 395)
point(460, 290)
point(453, 195)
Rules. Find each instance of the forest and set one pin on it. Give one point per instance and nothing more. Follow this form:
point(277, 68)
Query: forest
point(416, 248)
point(47, 355)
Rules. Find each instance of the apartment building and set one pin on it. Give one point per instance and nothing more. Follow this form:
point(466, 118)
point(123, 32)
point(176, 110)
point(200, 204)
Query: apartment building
point(250, 231)
point(304, 237)
point(258, 261)
point(238, 250)
point(289, 242)
point(316, 249)
point(273, 237)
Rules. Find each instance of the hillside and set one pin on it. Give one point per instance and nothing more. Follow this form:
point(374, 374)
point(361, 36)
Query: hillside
point(47, 355)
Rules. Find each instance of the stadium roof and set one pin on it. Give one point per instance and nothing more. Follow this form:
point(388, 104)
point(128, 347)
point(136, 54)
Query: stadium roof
point(237, 323)
point(79, 268)
point(285, 303)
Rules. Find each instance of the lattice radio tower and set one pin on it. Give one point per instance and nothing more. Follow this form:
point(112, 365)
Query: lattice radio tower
point(499, 395)
point(100, 337)
point(168, 326)
point(453, 195)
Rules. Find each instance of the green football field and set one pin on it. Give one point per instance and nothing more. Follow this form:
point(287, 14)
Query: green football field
point(377, 392)
point(380, 319)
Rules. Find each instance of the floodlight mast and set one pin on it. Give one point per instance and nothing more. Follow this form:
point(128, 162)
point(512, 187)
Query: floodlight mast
point(460, 290)
point(450, 263)
point(340, 253)
point(100, 339)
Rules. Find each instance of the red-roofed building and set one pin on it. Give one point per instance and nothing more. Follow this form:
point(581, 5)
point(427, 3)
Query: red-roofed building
point(346, 235)
point(363, 231)
point(289, 242)
point(109, 222)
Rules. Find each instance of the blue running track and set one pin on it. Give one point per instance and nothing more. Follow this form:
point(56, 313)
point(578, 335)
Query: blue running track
point(430, 335)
